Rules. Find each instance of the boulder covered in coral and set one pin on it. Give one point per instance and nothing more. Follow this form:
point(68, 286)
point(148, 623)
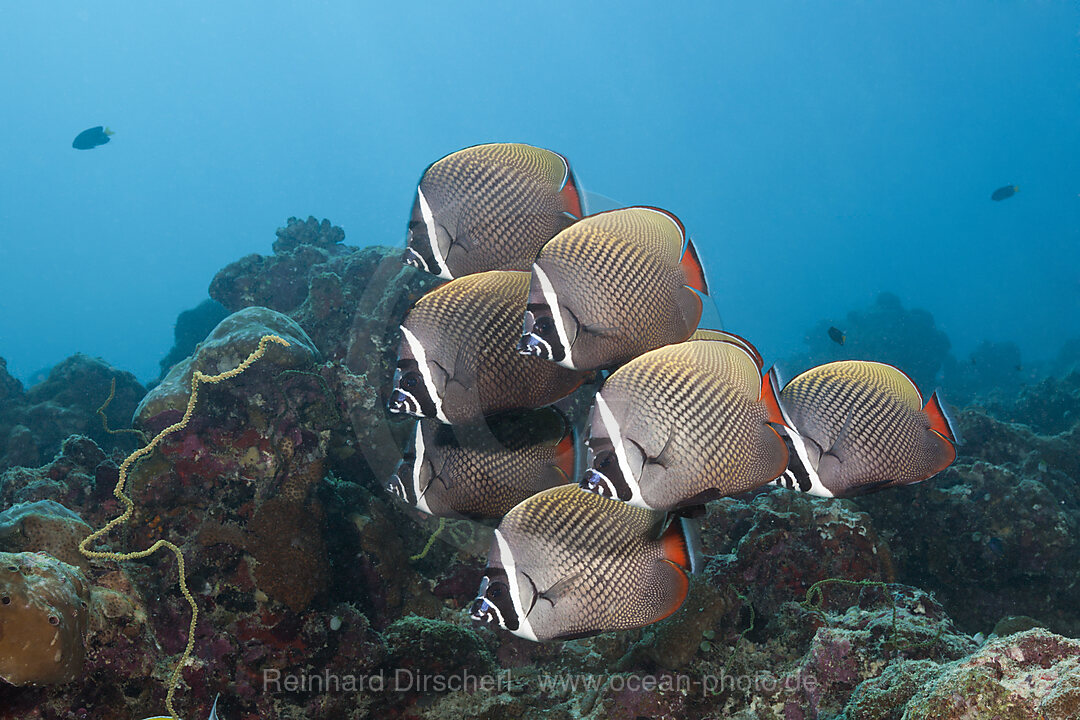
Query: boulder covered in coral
point(192, 327)
point(1033, 674)
point(225, 348)
point(44, 526)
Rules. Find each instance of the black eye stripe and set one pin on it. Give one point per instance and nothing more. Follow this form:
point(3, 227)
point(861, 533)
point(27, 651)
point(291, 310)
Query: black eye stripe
point(421, 241)
point(407, 368)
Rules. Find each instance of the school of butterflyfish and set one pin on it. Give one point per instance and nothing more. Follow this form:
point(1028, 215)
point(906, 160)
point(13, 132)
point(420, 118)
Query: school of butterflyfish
point(600, 532)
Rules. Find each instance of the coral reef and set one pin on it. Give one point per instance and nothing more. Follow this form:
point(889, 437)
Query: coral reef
point(1049, 407)
point(1031, 675)
point(35, 422)
point(321, 597)
point(350, 302)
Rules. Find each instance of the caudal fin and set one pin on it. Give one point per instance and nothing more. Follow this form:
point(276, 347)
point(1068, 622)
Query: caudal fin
point(682, 543)
point(770, 395)
point(941, 421)
point(692, 267)
point(571, 195)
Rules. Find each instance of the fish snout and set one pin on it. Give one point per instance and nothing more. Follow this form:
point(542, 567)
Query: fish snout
point(596, 482)
point(396, 487)
point(534, 345)
point(481, 610)
point(413, 259)
point(401, 403)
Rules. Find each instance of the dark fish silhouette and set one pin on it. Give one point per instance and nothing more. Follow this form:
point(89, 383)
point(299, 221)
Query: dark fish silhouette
point(1004, 193)
point(90, 139)
point(837, 335)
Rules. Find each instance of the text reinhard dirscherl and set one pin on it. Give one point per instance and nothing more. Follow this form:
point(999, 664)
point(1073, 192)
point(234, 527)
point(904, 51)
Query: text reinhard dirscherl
point(411, 680)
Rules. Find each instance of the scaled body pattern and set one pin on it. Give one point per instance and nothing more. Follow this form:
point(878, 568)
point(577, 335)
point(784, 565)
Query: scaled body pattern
point(683, 417)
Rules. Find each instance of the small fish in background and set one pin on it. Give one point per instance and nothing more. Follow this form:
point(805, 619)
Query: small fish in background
point(685, 424)
point(482, 471)
point(1004, 193)
point(837, 335)
point(91, 138)
point(611, 287)
point(456, 361)
point(856, 426)
point(566, 564)
point(490, 207)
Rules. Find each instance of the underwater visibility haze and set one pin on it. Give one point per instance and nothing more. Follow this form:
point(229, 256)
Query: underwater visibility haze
point(562, 360)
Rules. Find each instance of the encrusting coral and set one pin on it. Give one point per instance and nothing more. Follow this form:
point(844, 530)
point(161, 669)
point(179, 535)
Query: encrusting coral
point(43, 617)
point(197, 378)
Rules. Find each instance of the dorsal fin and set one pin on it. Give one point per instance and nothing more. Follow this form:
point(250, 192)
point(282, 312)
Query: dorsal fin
point(693, 269)
point(733, 339)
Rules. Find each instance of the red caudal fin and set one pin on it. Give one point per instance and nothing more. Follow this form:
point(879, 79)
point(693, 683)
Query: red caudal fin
point(571, 195)
point(682, 542)
point(940, 420)
point(695, 273)
point(770, 395)
point(566, 455)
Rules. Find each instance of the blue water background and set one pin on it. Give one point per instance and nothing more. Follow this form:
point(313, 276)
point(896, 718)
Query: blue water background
point(819, 152)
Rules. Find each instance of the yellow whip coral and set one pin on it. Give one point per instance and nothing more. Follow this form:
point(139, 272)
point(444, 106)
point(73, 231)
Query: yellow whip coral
point(198, 378)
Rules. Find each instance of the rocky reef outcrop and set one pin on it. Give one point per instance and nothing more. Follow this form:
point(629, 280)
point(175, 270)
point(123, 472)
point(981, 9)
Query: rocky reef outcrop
point(34, 422)
point(321, 596)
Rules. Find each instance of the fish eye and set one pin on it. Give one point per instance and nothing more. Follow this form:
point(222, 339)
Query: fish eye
point(603, 460)
point(410, 380)
point(495, 592)
point(543, 326)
